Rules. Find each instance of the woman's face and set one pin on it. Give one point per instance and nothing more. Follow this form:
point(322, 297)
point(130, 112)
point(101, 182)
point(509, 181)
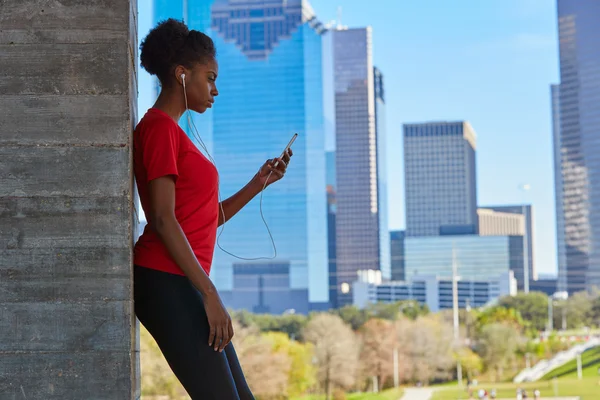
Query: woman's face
point(201, 86)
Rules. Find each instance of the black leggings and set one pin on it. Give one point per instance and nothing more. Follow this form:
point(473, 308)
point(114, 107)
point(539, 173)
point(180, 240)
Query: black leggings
point(172, 310)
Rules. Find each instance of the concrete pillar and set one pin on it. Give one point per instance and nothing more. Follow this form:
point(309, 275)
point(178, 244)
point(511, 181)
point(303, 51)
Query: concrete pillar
point(68, 89)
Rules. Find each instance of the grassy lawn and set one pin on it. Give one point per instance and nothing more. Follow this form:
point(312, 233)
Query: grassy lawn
point(390, 394)
point(587, 389)
point(567, 383)
point(590, 361)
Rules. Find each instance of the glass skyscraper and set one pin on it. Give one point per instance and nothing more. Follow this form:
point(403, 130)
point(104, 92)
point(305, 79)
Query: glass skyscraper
point(361, 218)
point(397, 255)
point(385, 262)
point(331, 227)
point(577, 144)
point(477, 257)
point(271, 78)
point(440, 179)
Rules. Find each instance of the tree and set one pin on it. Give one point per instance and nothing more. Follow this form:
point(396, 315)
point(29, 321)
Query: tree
point(266, 369)
point(502, 315)
point(532, 306)
point(290, 324)
point(302, 374)
point(595, 312)
point(426, 347)
point(378, 343)
point(352, 316)
point(471, 363)
point(336, 351)
point(387, 311)
point(497, 344)
point(157, 377)
point(579, 310)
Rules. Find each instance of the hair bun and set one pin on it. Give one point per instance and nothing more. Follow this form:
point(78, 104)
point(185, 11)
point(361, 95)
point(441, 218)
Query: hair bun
point(160, 47)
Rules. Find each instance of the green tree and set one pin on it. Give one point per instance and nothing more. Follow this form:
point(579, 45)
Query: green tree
point(506, 316)
point(387, 311)
point(302, 374)
point(266, 369)
point(471, 363)
point(352, 316)
point(595, 312)
point(412, 309)
point(579, 310)
point(290, 324)
point(532, 306)
point(497, 345)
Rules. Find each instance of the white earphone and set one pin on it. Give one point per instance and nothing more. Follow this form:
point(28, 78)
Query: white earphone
point(199, 139)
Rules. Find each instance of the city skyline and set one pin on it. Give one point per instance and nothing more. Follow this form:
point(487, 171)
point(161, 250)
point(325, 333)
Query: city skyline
point(535, 46)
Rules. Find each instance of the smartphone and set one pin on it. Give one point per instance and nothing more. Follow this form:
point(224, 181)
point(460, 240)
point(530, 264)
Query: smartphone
point(286, 148)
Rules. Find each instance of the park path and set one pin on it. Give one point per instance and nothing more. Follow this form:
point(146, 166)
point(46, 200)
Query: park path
point(417, 394)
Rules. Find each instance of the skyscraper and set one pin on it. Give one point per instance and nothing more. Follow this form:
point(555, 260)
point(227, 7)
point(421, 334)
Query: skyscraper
point(271, 77)
point(331, 227)
point(385, 262)
point(357, 166)
point(440, 179)
point(526, 213)
point(397, 255)
point(577, 144)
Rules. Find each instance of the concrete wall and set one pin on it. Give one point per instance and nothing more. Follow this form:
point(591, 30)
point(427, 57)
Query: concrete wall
point(68, 90)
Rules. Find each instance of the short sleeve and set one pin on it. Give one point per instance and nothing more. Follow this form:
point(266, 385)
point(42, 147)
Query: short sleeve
point(160, 150)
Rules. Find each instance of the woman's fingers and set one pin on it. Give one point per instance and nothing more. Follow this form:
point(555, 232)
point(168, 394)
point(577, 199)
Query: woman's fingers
point(212, 335)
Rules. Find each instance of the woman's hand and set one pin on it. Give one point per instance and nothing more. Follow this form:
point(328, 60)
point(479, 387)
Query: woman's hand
point(219, 321)
point(268, 173)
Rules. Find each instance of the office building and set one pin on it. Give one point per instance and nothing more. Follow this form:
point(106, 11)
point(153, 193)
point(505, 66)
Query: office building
point(397, 255)
point(361, 217)
point(331, 239)
point(495, 223)
point(577, 147)
point(545, 284)
point(271, 77)
point(264, 288)
point(436, 291)
point(476, 257)
point(523, 213)
point(385, 263)
point(440, 179)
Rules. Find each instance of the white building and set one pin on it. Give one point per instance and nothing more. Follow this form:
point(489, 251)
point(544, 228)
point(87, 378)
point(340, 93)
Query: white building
point(435, 291)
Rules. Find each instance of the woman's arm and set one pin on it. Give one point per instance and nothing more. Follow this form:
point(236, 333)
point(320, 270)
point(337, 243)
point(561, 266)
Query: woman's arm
point(235, 203)
point(164, 223)
point(267, 174)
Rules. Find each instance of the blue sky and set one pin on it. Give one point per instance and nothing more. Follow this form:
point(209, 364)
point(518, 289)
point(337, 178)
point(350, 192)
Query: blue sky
point(486, 61)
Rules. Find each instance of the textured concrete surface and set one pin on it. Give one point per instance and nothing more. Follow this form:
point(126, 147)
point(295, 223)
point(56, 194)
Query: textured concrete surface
point(68, 89)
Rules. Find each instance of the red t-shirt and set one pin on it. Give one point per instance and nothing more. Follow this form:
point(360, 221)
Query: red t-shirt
point(161, 148)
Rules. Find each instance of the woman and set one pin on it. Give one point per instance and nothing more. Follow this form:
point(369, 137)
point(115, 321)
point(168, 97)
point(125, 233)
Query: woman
point(178, 187)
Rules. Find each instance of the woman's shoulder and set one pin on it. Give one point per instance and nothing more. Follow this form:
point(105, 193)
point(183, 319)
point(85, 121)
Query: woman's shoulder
point(156, 119)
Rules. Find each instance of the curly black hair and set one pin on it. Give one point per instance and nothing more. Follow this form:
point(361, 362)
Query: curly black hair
point(171, 43)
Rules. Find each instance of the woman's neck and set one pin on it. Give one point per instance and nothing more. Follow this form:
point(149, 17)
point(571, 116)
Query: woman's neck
point(171, 102)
